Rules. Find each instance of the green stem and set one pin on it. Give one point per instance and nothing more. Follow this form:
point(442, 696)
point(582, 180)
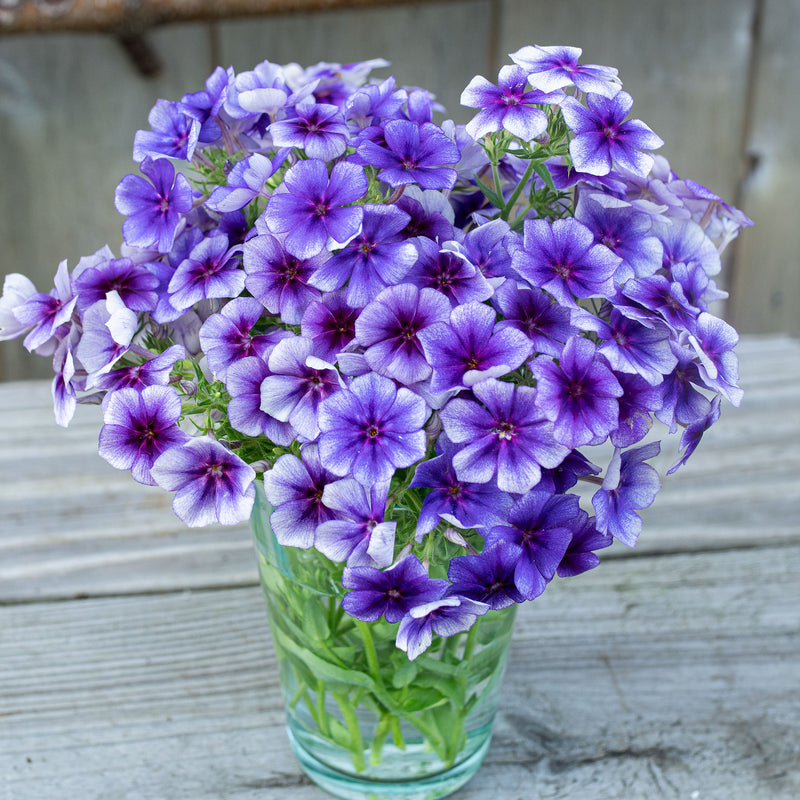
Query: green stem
point(496, 177)
point(353, 729)
point(504, 214)
point(322, 723)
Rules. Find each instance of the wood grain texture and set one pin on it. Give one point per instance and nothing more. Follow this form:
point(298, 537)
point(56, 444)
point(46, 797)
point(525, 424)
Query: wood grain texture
point(89, 530)
point(654, 677)
point(91, 15)
point(765, 295)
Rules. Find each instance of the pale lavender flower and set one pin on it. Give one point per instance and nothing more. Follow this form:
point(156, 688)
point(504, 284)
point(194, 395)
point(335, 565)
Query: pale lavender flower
point(245, 181)
point(316, 207)
point(603, 137)
point(211, 483)
point(507, 436)
point(261, 90)
point(319, 129)
point(294, 488)
point(371, 429)
point(152, 372)
point(46, 313)
point(153, 207)
point(297, 384)
point(553, 67)
point(17, 290)
point(630, 485)
point(134, 283)
point(358, 534)
point(173, 134)
point(140, 425)
point(713, 341)
point(507, 106)
point(445, 617)
point(243, 382)
point(211, 270)
point(682, 403)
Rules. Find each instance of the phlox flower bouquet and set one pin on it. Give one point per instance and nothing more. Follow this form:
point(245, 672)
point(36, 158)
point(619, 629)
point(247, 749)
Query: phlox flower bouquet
point(413, 332)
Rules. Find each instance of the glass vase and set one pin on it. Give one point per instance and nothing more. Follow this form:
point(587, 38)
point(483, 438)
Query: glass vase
point(364, 721)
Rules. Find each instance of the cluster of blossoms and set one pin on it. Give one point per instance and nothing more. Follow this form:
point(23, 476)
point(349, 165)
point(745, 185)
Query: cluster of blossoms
point(413, 330)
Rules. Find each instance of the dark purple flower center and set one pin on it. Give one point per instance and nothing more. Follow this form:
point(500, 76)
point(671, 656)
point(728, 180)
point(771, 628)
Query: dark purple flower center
point(505, 430)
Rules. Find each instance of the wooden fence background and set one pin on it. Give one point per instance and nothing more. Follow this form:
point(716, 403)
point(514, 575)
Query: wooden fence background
point(717, 79)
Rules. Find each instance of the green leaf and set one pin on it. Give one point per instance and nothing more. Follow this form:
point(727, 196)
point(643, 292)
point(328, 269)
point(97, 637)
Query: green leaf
point(491, 195)
point(418, 699)
point(544, 174)
point(323, 670)
point(315, 623)
point(405, 674)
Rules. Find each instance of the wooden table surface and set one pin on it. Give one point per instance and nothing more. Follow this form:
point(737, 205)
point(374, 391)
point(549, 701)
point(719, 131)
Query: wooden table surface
point(136, 664)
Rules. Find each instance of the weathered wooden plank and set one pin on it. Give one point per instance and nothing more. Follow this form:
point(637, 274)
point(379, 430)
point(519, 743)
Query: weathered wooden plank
point(71, 525)
point(70, 105)
point(111, 15)
point(669, 676)
point(766, 287)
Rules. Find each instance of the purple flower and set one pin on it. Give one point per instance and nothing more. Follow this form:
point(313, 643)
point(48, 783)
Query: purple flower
point(694, 433)
point(278, 279)
point(626, 232)
point(62, 388)
point(551, 68)
point(629, 485)
point(448, 273)
point(297, 385)
point(533, 312)
point(563, 258)
point(635, 348)
point(445, 617)
point(507, 106)
point(133, 282)
point(45, 313)
point(665, 299)
point(541, 524)
point(714, 341)
point(413, 154)
point(226, 336)
point(318, 129)
point(685, 242)
point(507, 436)
point(579, 394)
point(330, 323)
point(140, 425)
point(469, 348)
point(371, 429)
point(602, 136)
point(245, 181)
point(243, 382)
point(153, 207)
point(294, 488)
point(173, 134)
point(466, 505)
point(488, 577)
point(580, 556)
point(486, 247)
point(358, 534)
point(637, 402)
point(212, 269)
point(315, 207)
point(154, 372)
point(682, 403)
point(389, 593)
point(373, 259)
point(389, 329)
point(261, 90)
point(211, 483)
point(207, 103)
point(99, 348)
